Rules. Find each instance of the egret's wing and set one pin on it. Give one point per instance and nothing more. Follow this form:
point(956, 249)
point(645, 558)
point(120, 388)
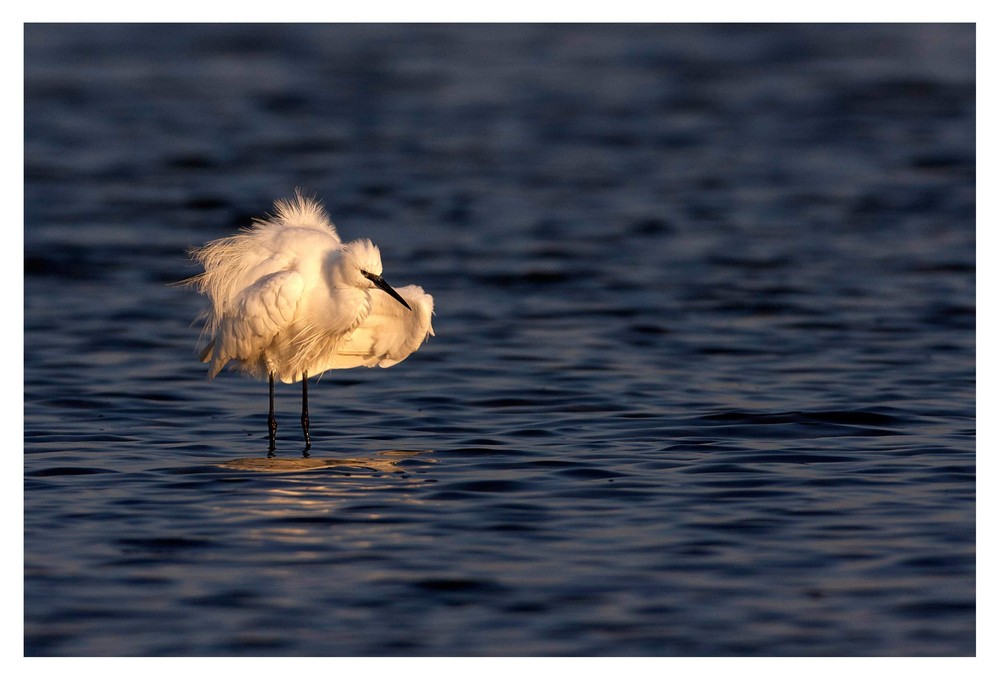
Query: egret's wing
point(257, 314)
point(299, 232)
point(390, 332)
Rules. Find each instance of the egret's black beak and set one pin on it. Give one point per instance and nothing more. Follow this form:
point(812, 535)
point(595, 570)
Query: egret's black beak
point(380, 283)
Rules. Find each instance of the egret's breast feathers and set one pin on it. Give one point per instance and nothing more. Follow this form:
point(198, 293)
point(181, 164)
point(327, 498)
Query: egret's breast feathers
point(390, 332)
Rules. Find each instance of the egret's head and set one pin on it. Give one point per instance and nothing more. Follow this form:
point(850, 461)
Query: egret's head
point(363, 268)
point(362, 255)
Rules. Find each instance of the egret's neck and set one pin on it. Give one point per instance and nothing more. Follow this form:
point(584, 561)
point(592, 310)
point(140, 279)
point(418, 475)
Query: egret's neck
point(354, 304)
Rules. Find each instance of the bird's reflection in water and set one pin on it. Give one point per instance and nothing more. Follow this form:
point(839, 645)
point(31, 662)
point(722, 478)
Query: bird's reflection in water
point(381, 462)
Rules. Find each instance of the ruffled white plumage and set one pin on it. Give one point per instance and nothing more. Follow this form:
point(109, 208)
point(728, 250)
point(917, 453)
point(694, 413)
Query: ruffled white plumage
point(285, 299)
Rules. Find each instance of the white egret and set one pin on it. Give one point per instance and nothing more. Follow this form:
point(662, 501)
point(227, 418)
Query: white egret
point(290, 300)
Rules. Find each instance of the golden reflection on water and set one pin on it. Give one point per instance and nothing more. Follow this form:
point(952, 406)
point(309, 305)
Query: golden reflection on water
point(383, 461)
point(296, 510)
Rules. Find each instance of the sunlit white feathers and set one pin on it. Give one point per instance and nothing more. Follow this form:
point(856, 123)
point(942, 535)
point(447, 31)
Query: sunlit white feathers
point(288, 297)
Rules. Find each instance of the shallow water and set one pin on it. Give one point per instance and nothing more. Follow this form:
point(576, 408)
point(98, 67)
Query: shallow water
point(704, 374)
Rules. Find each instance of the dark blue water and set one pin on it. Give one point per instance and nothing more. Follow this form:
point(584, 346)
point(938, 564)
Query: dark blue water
point(704, 374)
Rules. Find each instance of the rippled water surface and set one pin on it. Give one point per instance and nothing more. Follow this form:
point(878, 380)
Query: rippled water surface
point(704, 374)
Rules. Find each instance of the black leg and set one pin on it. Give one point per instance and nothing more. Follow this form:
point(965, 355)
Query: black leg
point(305, 411)
point(272, 423)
